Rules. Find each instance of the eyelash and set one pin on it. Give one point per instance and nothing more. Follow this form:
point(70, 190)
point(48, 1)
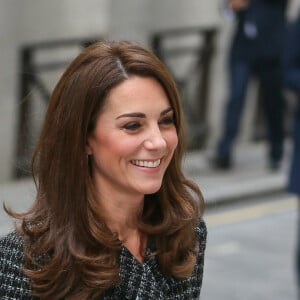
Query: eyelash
point(132, 126)
point(167, 120)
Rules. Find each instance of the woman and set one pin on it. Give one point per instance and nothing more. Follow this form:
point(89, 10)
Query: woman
point(114, 216)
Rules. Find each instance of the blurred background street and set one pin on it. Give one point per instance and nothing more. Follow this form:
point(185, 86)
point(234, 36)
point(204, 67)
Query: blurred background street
point(251, 250)
point(251, 218)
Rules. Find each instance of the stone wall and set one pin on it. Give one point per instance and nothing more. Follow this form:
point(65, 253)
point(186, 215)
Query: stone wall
point(26, 21)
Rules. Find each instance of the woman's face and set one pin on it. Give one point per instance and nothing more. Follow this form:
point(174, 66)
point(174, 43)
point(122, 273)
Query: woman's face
point(134, 138)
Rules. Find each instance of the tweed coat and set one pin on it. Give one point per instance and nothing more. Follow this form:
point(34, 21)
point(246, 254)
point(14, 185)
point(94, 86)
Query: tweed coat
point(137, 281)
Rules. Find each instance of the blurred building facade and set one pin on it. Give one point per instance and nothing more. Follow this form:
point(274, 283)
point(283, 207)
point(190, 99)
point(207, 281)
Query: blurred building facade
point(29, 21)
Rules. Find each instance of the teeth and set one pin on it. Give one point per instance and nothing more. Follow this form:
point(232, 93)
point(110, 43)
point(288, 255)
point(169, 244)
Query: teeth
point(147, 164)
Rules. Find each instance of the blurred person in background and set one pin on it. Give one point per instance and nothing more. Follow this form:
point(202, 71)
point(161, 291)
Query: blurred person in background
point(114, 216)
point(292, 82)
point(256, 49)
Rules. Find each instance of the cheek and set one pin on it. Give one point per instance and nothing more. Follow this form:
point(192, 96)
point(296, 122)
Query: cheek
point(117, 145)
point(172, 139)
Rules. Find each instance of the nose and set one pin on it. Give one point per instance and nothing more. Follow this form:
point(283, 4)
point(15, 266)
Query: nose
point(155, 139)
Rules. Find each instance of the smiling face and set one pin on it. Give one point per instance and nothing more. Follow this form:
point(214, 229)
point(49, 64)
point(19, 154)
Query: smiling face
point(134, 138)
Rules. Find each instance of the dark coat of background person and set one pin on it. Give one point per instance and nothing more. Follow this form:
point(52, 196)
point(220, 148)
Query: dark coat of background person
point(256, 49)
point(292, 83)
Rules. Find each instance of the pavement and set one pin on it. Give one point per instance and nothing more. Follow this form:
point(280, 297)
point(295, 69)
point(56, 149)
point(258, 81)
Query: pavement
point(249, 178)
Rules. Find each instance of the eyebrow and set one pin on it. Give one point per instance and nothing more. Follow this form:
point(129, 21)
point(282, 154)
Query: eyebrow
point(142, 115)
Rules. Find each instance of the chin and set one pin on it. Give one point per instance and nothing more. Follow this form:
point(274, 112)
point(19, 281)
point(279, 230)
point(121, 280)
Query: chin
point(151, 189)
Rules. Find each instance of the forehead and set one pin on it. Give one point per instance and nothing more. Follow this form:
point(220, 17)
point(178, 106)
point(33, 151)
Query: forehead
point(137, 93)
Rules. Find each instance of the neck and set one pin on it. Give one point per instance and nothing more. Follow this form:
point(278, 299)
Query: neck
point(123, 220)
point(121, 212)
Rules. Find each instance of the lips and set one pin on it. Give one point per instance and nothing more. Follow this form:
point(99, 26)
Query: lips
point(146, 163)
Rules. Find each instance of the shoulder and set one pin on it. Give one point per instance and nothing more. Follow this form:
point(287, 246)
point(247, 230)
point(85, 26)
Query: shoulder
point(14, 284)
point(11, 240)
point(190, 287)
point(11, 251)
point(11, 248)
point(201, 231)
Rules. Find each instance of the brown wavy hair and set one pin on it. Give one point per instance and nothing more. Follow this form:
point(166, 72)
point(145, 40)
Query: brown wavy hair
point(69, 250)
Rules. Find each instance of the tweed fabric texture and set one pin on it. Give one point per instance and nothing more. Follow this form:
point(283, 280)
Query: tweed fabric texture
point(138, 281)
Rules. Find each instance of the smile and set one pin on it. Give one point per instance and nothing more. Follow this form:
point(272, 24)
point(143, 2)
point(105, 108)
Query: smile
point(146, 164)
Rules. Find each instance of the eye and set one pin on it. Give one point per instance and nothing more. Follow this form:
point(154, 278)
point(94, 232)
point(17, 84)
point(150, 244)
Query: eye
point(131, 126)
point(167, 120)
